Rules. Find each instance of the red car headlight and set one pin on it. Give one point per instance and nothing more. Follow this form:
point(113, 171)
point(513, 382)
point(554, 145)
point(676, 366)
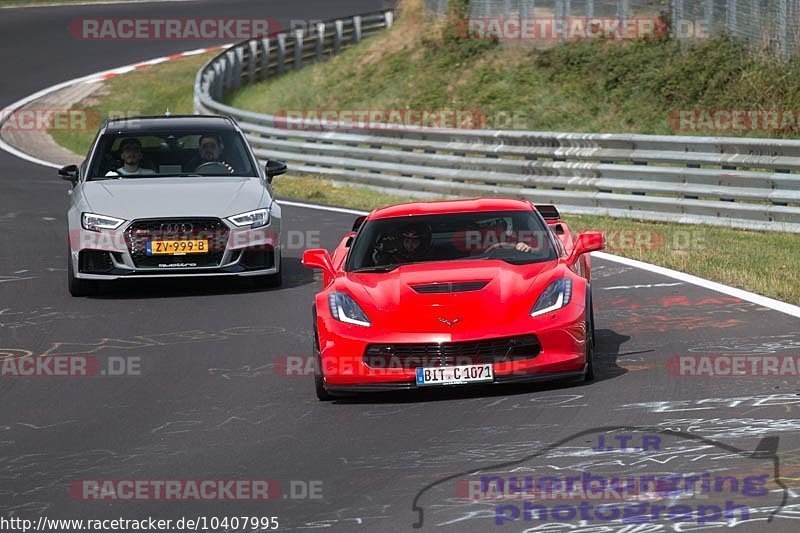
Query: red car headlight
point(345, 309)
point(554, 297)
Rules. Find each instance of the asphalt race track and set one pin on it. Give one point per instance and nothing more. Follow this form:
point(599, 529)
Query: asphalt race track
point(213, 401)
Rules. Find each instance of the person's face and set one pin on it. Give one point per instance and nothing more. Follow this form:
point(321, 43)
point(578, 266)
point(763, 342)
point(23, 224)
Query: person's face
point(410, 244)
point(132, 154)
point(499, 227)
point(209, 149)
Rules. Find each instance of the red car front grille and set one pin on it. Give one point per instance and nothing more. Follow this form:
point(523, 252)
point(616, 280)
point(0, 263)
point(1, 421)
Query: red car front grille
point(414, 355)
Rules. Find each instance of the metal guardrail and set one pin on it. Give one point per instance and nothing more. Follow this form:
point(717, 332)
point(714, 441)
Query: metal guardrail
point(723, 181)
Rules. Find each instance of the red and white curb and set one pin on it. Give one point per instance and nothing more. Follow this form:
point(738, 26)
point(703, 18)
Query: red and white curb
point(108, 74)
point(757, 299)
point(8, 111)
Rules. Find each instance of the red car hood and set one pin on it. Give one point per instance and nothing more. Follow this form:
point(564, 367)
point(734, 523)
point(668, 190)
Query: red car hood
point(389, 299)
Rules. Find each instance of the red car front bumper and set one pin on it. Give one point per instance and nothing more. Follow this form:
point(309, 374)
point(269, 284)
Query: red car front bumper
point(559, 351)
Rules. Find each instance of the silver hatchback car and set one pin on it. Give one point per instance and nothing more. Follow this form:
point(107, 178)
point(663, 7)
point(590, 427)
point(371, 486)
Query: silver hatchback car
point(173, 196)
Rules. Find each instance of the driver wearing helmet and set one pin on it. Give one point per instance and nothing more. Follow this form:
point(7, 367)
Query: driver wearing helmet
point(407, 245)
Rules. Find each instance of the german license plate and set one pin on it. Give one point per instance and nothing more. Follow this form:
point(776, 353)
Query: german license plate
point(177, 247)
point(454, 375)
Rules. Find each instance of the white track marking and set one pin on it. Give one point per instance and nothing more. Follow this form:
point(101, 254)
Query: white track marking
point(647, 286)
point(763, 301)
point(323, 207)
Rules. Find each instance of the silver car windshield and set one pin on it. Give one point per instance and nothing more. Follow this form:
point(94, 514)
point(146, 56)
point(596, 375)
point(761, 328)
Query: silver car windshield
point(161, 154)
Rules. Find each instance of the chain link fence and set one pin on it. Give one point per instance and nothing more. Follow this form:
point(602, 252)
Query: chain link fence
point(772, 25)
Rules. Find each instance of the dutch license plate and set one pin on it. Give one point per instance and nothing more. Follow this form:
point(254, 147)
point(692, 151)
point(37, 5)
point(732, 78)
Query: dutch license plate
point(177, 247)
point(454, 375)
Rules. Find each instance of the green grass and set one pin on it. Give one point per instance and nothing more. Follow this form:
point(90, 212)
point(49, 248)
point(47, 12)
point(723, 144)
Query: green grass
point(149, 91)
point(584, 86)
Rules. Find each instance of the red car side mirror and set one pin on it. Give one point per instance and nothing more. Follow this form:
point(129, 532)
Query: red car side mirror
point(589, 241)
point(319, 258)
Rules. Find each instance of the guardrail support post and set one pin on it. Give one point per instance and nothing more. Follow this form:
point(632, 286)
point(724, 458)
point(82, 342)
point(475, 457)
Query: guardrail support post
point(708, 15)
point(560, 17)
point(298, 49)
point(265, 51)
point(388, 18)
point(678, 25)
point(356, 29)
point(217, 80)
point(623, 8)
point(206, 86)
point(783, 32)
point(281, 53)
point(337, 39)
point(320, 40)
point(730, 16)
point(238, 66)
point(251, 62)
point(228, 70)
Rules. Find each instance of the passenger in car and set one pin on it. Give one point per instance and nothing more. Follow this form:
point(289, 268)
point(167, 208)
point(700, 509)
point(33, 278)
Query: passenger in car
point(131, 155)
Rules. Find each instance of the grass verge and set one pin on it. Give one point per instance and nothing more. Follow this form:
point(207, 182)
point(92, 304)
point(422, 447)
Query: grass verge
point(137, 93)
point(635, 86)
point(763, 262)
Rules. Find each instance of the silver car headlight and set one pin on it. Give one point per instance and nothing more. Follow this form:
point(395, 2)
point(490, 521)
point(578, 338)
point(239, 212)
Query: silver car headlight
point(554, 297)
point(345, 309)
point(254, 219)
point(93, 222)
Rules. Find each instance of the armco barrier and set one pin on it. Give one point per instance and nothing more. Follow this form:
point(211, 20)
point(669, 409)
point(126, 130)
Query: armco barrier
point(724, 181)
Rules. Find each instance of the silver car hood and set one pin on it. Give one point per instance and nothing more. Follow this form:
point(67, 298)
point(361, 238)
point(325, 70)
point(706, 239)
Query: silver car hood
point(134, 198)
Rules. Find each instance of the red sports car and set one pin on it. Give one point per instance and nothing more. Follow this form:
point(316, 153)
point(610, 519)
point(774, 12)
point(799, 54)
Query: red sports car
point(453, 292)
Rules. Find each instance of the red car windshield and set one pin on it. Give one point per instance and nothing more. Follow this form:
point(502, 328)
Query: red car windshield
point(518, 237)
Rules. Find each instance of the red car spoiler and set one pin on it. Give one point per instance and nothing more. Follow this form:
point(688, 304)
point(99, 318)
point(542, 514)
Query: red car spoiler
point(549, 212)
